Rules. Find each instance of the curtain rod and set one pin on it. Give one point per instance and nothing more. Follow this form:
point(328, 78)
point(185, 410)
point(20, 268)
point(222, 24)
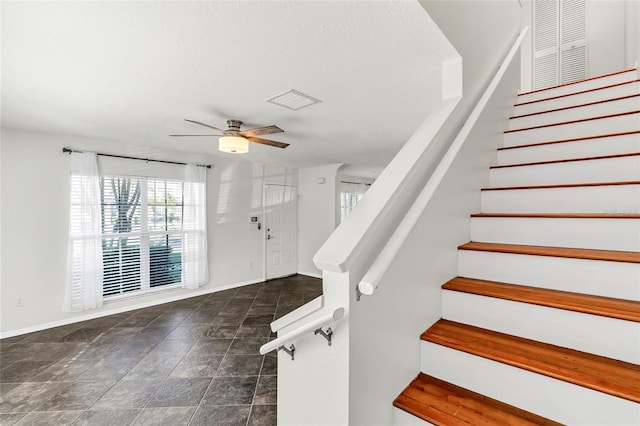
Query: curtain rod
point(357, 183)
point(66, 150)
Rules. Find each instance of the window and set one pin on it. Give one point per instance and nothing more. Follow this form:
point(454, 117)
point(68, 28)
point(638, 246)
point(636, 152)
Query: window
point(141, 234)
point(350, 194)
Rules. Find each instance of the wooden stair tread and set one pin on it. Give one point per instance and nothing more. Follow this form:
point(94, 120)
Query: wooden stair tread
point(574, 253)
point(443, 403)
point(596, 305)
point(584, 138)
point(578, 93)
point(561, 185)
point(575, 106)
point(562, 215)
point(613, 377)
point(577, 81)
point(568, 160)
point(581, 120)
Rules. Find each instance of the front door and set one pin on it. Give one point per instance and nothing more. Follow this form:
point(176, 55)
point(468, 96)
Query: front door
point(281, 206)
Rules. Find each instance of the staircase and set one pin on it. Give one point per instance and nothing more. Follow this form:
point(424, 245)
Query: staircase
point(542, 325)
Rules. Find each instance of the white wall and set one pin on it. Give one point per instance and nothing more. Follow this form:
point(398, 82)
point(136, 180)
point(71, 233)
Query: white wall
point(632, 33)
point(605, 36)
point(34, 222)
point(316, 213)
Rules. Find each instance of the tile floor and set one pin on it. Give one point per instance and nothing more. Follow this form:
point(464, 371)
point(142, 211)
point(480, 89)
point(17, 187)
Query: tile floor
point(193, 361)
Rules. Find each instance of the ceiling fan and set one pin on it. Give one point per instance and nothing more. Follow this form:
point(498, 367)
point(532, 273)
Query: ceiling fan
point(236, 141)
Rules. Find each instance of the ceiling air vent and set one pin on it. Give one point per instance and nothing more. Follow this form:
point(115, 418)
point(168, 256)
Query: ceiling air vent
point(292, 99)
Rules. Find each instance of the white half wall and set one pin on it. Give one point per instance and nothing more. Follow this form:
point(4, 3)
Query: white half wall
point(385, 327)
point(317, 206)
point(35, 216)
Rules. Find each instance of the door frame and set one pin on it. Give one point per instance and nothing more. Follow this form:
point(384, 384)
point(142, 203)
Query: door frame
point(264, 227)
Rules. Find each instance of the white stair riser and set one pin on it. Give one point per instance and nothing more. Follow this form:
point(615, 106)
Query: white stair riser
point(596, 110)
point(601, 278)
point(578, 87)
point(609, 337)
point(620, 169)
point(578, 99)
point(577, 149)
point(402, 418)
point(617, 124)
point(545, 396)
point(600, 234)
point(619, 199)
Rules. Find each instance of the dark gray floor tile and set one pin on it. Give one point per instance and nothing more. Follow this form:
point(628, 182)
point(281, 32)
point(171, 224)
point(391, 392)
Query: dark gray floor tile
point(283, 310)
point(179, 392)
point(229, 319)
point(65, 370)
point(209, 347)
point(230, 390)
point(109, 369)
point(240, 365)
point(158, 365)
point(262, 310)
point(266, 391)
point(263, 415)
point(7, 387)
point(264, 319)
point(107, 417)
point(95, 351)
point(137, 347)
point(78, 396)
point(129, 394)
point(154, 333)
point(270, 364)
point(164, 416)
point(57, 418)
point(222, 415)
point(21, 371)
point(29, 396)
point(172, 348)
point(84, 335)
point(216, 332)
point(247, 345)
point(182, 332)
point(197, 366)
point(8, 419)
point(254, 331)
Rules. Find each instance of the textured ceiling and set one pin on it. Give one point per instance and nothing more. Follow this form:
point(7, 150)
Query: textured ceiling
point(130, 72)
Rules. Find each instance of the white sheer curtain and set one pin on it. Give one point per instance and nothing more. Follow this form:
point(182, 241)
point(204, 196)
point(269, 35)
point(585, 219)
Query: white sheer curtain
point(84, 258)
point(195, 262)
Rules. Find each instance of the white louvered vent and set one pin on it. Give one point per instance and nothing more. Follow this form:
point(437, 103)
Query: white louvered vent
point(546, 70)
point(574, 64)
point(292, 99)
point(546, 24)
point(574, 19)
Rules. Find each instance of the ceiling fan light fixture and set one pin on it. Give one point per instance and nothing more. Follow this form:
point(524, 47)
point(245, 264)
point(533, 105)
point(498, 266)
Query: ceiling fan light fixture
point(233, 144)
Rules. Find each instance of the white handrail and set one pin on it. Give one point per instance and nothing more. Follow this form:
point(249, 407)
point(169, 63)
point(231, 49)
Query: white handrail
point(297, 314)
point(385, 258)
point(305, 328)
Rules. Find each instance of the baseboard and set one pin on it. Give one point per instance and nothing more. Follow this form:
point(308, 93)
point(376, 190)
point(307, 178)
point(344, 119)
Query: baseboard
point(311, 274)
point(104, 313)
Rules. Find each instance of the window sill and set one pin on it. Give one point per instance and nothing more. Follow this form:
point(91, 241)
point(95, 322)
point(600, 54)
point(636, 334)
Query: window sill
point(139, 293)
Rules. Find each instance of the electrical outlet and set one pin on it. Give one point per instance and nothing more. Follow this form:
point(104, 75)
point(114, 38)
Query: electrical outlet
point(19, 302)
point(250, 264)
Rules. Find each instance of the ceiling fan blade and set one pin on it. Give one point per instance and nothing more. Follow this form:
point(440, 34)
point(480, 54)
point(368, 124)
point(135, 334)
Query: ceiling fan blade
point(197, 135)
point(266, 130)
point(205, 125)
point(268, 142)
